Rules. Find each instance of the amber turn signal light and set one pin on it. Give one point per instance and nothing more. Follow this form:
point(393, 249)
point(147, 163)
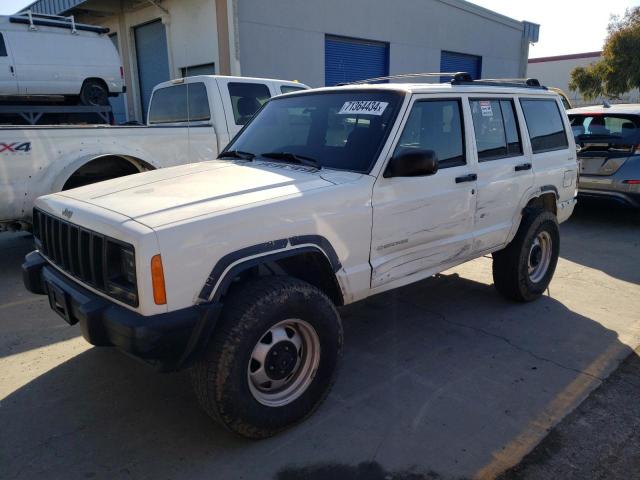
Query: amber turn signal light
point(157, 280)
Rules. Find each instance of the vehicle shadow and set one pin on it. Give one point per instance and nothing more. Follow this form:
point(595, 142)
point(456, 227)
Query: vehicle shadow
point(26, 322)
point(442, 377)
point(598, 235)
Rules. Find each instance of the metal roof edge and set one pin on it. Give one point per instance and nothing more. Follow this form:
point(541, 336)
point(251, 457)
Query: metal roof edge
point(484, 12)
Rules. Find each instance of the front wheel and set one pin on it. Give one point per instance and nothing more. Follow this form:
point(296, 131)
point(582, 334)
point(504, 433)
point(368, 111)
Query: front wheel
point(524, 269)
point(272, 359)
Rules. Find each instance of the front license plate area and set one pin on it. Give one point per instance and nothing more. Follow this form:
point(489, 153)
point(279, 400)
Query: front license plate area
point(59, 302)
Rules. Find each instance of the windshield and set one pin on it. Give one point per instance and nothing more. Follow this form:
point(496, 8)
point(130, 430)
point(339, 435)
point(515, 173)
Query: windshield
point(605, 131)
point(343, 130)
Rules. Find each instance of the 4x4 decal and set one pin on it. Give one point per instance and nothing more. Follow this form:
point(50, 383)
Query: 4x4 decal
point(15, 147)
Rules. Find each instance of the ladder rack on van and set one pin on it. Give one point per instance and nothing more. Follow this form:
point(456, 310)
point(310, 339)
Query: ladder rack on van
point(459, 78)
point(40, 19)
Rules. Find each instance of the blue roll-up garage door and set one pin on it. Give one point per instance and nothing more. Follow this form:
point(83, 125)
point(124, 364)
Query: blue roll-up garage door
point(349, 59)
point(153, 59)
point(461, 62)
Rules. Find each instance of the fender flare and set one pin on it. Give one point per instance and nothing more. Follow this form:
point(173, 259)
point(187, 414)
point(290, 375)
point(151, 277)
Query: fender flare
point(229, 266)
point(526, 199)
point(234, 263)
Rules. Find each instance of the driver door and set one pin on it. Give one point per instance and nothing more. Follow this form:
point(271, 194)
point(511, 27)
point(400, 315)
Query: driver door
point(421, 224)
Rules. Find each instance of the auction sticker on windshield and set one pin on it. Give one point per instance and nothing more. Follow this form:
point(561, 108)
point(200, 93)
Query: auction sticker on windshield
point(366, 107)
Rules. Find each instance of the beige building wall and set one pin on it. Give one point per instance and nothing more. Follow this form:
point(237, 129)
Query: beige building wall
point(192, 31)
point(556, 72)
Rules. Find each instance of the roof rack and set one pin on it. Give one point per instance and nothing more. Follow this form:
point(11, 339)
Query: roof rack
point(34, 20)
point(502, 82)
point(459, 78)
point(455, 75)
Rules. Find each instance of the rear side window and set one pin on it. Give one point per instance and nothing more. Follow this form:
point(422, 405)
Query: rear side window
point(3, 47)
point(436, 125)
point(545, 125)
point(290, 88)
point(496, 129)
point(246, 99)
point(181, 103)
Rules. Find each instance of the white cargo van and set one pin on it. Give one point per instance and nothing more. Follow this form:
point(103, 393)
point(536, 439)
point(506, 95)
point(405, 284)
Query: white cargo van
point(51, 55)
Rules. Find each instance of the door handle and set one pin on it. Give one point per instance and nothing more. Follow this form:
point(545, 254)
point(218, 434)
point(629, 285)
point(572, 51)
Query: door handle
point(472, 177)
point(523, 166)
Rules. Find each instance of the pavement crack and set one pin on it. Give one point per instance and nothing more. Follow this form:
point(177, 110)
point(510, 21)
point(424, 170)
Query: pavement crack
point(444, 319)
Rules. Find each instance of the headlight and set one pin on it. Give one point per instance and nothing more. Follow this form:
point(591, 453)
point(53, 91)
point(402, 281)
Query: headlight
point(121, 272)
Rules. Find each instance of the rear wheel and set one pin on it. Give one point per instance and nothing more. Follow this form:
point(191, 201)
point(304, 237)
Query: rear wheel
point(524, 269)
point(272, 359)
point(94, 93)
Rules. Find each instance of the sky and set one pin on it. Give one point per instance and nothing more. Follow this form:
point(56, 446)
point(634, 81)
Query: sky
point(566, 26)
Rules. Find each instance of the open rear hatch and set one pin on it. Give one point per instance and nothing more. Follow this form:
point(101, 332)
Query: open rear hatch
point(605, 141)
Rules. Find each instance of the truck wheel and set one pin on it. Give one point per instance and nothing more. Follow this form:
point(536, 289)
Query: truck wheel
point(272, 359)
point(523, 270)
point(94, 93)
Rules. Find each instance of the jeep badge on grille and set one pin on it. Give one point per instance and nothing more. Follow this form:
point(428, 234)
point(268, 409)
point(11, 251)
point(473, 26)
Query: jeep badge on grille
point(67, 213)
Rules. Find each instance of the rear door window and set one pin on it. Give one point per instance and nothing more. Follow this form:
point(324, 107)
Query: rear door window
point(436, 125)
point(3, 47)
point(597, 132)
point(496, 129)
point(246, 100)
point(181, 103)
point(545, 125)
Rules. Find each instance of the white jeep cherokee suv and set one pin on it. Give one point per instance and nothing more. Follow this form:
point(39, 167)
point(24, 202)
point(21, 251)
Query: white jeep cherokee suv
point(234, 267)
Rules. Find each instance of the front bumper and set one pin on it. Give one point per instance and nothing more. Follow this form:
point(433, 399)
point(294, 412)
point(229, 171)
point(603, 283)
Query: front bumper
point(170, 341)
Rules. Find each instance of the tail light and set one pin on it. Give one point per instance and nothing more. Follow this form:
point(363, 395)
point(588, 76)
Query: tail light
point(122, 72)
point(631, 182)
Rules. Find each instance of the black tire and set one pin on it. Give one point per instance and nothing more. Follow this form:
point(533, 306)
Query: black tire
point(221, 377)
point(94, 93)
point(511, 274)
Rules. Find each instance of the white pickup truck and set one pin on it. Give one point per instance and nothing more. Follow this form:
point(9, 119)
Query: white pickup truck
point(189, 120)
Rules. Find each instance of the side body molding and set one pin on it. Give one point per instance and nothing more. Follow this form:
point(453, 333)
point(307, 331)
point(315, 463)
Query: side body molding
point(229, 266)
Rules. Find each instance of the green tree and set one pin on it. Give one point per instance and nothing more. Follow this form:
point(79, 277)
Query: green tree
point(618, 71)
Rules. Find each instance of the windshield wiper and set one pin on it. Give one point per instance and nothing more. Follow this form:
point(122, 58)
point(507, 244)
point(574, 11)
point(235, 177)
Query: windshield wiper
point(292, 157)
point(237, 154)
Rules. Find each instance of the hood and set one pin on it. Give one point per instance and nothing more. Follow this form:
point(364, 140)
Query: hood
point(177, 193)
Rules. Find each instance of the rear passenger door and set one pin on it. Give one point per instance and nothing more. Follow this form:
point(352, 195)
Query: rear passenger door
point(242, 99)
point(504, 169)
point(421, 224)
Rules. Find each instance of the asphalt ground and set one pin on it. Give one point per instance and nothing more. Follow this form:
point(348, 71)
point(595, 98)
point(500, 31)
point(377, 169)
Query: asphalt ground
point(440, 379)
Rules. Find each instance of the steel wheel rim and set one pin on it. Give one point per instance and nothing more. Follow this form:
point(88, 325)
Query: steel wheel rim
point(274, 378)
point(539, 257)
point(95, 95)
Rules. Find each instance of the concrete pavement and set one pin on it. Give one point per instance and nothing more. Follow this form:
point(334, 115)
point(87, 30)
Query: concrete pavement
point(440, 379)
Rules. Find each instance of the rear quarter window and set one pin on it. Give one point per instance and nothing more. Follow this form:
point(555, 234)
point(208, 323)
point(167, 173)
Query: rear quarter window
point(544, 124)
point(181, 103)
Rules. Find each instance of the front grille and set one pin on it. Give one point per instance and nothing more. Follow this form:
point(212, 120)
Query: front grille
point(78, 251)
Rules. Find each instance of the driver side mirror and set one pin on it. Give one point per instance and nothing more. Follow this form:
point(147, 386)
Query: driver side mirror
point(412, 162)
